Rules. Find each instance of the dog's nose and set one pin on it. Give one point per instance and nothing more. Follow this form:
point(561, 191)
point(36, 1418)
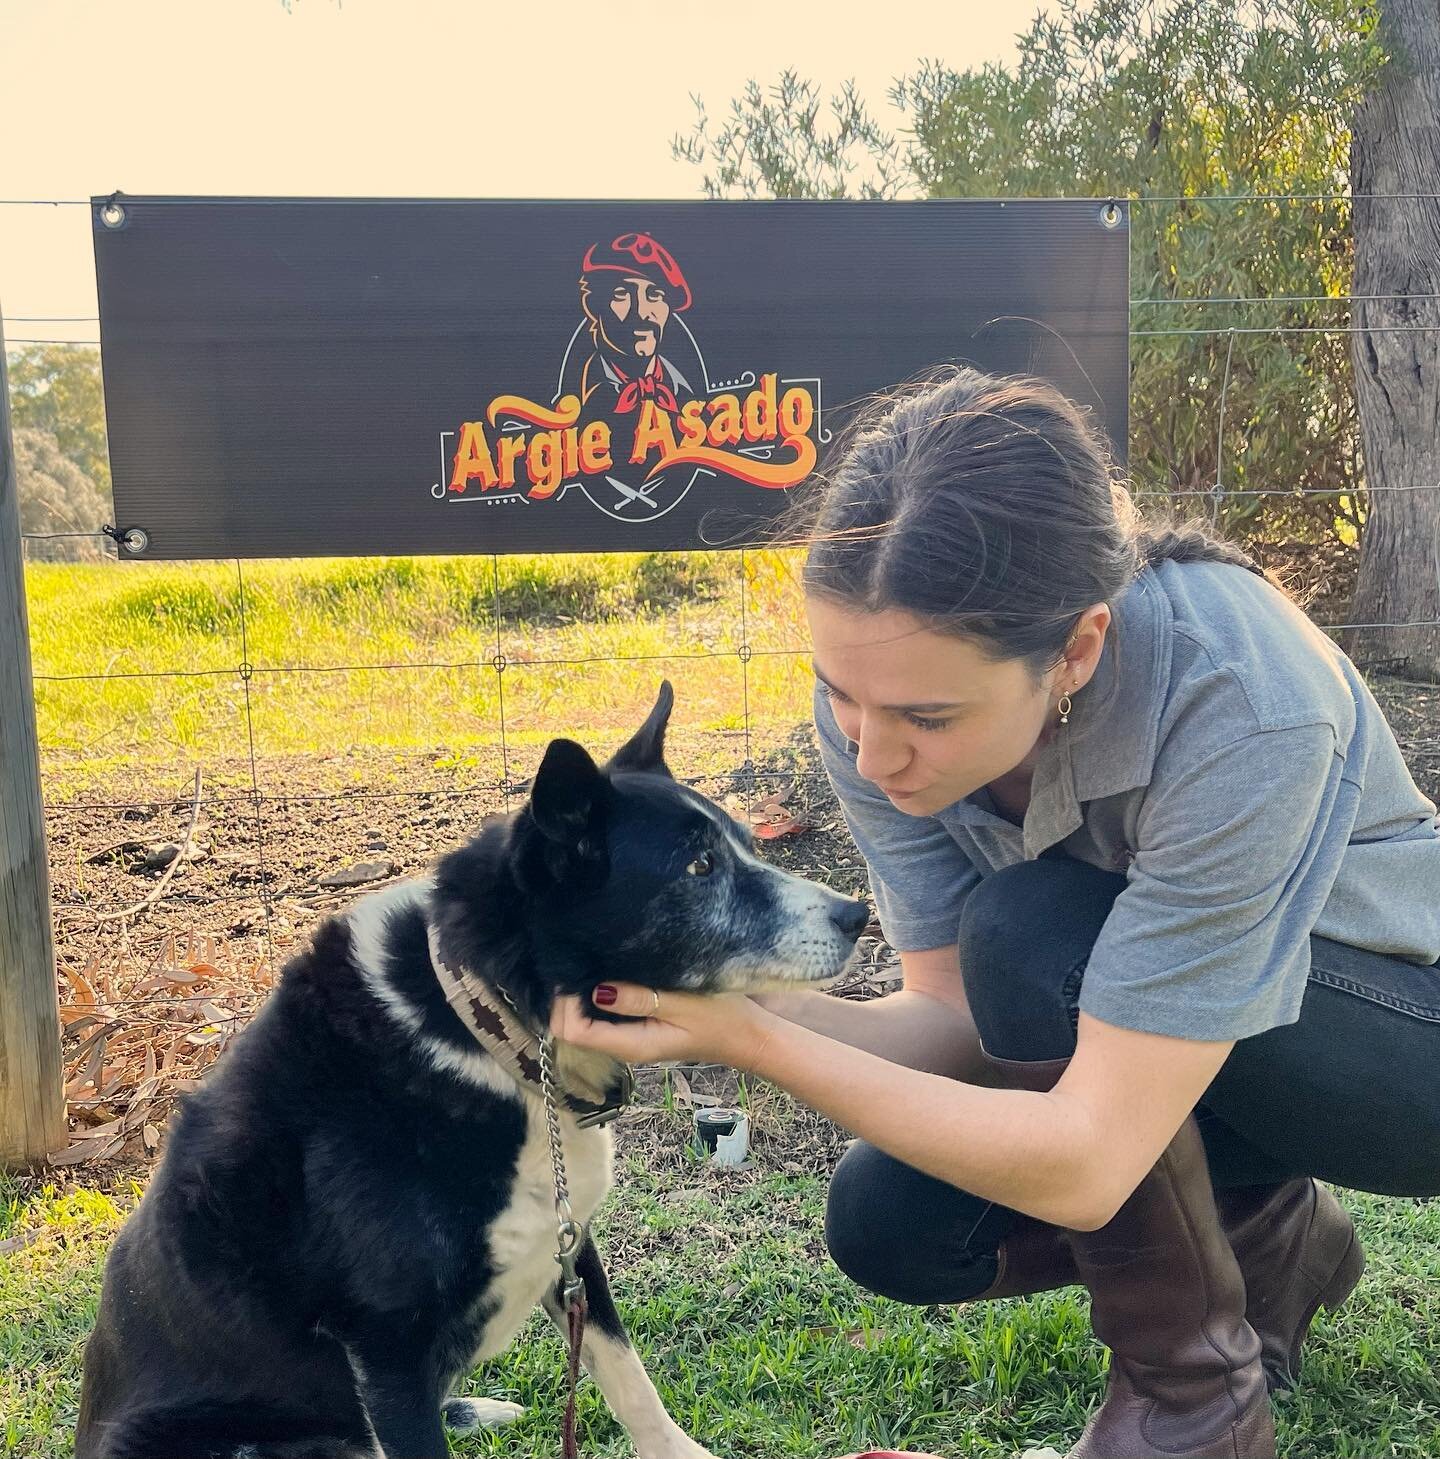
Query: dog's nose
point(851, 918)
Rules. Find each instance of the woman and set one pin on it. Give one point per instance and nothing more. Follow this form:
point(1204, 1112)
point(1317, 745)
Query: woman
point(1167, 904)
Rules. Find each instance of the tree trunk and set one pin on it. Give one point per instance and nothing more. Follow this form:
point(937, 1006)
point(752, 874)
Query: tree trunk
point(1395, 148)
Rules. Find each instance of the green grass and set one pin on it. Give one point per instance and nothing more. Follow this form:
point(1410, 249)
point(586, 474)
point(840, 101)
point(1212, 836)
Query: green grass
point(763, 1349)
point(172, 637)
point(758, 1344)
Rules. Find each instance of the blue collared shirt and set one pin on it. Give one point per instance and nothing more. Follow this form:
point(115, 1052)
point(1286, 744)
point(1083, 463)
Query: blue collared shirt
point(1230, 760)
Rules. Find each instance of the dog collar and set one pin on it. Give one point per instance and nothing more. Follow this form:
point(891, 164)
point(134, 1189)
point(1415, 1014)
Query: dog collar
point(497, 1028)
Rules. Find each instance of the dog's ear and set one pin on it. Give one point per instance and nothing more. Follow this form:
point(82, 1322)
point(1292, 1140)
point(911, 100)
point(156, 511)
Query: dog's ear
point(568, 793)
point(645, 749)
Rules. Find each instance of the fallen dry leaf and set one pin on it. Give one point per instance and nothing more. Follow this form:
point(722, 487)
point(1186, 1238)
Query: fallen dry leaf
point(100, 1131)
point(80, 1150)
point(84, 992)
point(77, 1020)
point(773, 830)
point(89, 1072)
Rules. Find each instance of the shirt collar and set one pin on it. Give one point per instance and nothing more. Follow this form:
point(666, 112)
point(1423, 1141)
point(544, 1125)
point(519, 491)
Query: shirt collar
point(1109, 746)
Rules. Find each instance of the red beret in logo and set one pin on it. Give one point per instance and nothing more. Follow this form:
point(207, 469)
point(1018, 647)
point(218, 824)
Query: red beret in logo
point(639, 255)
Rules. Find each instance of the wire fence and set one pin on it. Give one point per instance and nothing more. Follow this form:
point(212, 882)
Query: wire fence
point(126, 980)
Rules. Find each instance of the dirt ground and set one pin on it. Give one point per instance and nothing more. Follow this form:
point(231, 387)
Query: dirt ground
point(151, 998)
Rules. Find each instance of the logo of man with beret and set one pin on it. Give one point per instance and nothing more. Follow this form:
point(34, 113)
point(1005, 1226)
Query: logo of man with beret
point(629, 288)
point(625, 426)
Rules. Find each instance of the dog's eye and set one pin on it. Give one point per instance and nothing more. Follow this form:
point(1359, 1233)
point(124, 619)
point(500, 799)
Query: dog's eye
point(703, 865)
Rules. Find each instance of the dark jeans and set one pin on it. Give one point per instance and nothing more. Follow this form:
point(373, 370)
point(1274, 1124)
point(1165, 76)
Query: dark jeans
point(1350, 1093)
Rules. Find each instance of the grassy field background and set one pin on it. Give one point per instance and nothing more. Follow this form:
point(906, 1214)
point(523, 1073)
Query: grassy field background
point(759, 1345)
point(399, 653)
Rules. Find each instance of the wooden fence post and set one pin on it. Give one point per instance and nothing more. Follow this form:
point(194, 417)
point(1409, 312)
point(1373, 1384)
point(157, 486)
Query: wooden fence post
point(32, 1097)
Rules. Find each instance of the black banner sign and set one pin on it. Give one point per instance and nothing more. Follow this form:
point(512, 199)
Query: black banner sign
point(316, 377)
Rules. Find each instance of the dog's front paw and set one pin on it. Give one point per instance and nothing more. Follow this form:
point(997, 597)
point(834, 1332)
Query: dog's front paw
point(677, 1446)
point(466, 1415)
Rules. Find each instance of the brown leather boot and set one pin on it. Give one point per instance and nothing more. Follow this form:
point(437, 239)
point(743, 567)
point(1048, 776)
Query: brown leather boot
point(1297, 1250)
point(1295, 1244)
point(1034, 1257)
point(1168, 1300)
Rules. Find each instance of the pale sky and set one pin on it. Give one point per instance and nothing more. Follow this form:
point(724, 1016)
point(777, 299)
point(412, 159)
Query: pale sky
point(400, 98)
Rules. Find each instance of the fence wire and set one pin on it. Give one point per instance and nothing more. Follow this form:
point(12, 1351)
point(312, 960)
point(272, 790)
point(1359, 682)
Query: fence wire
point(750, 782)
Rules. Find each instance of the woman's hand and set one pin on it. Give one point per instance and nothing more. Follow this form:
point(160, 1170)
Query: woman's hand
point(723, 1028)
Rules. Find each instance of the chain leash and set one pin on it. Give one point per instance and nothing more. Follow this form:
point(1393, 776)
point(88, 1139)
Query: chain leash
point(567, 1231)
point(567, 1236)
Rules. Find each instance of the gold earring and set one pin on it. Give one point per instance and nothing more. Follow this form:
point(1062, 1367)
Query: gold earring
point(1064, 707)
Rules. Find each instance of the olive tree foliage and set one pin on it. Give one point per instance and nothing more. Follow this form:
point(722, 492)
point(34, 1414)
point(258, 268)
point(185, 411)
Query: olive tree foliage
point(56, 388)
point(1165, 102)
point(57, 499)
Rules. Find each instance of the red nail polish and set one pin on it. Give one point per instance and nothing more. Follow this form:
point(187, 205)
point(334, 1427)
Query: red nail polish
point(605, 995)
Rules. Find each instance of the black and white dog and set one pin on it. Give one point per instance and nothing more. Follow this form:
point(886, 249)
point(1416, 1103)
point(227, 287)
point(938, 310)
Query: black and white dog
point(358, 1204)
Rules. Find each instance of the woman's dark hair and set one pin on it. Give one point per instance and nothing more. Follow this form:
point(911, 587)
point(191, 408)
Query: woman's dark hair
point(987, 507)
